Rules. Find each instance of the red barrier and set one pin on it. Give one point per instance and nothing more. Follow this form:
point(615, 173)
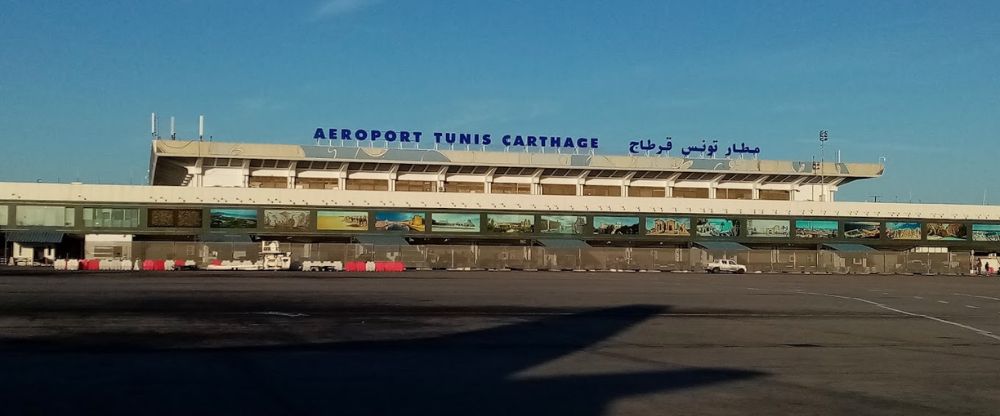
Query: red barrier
point(354, 266)
point(147, 265)
point(216, 262)
point(159, 265)
point(389, 266)
point(90, 264)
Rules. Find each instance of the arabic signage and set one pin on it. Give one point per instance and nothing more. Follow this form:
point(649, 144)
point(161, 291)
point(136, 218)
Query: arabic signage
point(648, 147)
point(705, 149)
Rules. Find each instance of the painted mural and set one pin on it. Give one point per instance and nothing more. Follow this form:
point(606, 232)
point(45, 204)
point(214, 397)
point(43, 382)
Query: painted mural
point(233, 218)
point(342, 221)
point(863, 229)
point(510, 223)
point(718, 227)
point(616, 225)
point(947, 231)
point(768, 228)
point(902, 230)
point(562, 224)
point(986, 232)
point(286, 220)
point(668, 226)
point(454, 223)
point(399, 221)
point(815, 229)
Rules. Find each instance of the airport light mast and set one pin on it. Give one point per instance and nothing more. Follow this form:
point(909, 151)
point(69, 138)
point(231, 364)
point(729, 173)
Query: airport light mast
point(823, 137)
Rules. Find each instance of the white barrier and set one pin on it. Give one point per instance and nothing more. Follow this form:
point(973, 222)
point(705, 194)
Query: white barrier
point(72, 264)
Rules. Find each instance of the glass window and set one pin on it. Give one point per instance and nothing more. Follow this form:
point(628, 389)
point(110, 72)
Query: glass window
point(44, 216)
point(111, 217)
point(3, 215)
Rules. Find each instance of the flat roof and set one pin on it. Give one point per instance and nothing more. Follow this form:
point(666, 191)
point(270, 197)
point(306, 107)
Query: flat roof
point(196, 149)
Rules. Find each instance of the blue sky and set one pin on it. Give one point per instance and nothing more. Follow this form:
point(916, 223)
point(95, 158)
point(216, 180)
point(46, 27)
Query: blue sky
point(917, 82)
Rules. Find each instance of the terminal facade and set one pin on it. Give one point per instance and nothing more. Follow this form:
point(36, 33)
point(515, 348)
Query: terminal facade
point(212, 192)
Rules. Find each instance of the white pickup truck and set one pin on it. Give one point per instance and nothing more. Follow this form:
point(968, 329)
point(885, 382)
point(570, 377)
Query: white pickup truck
point(725, 265)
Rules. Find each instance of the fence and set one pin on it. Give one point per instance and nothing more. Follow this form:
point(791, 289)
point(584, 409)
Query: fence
point(591, 258)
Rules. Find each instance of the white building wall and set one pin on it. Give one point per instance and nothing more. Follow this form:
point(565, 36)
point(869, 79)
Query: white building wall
point(12, 193)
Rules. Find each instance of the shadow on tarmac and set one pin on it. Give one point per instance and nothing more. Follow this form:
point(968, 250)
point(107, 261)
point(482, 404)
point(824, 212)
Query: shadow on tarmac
point(470, 373)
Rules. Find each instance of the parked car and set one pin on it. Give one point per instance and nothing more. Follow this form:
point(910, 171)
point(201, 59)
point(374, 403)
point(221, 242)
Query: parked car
point(725, 265)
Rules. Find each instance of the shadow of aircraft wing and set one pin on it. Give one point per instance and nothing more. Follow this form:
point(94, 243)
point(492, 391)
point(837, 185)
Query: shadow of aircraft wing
point(520, 346)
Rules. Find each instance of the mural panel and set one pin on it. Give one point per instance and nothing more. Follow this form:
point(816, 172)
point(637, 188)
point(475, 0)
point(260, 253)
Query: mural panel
point(286, 220)
point(815, 229)
point(903, 230)
point(668, 226)
point(947, 231)
point(399, 221)
point(862, 229)
point(233, 218)
point(986, 232)
point(562, 224)
point(342, 221)
point(510, 223)
point(454, 223)
point(718, 227)
point(768, 228)
point(616, 225)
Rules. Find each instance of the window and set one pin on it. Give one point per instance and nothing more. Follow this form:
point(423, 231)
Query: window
point(316, 183)
point(367, 185)
point(598, 190)
point(268, 182)
point(723, 193)
point(681, 192)
point(111, 217)
point(3, 215)
point(772, 195)
point(550, 189)
point(464, 187)
point(44, 216)
point(415, 186)
point(510, 188)
point(647, 191)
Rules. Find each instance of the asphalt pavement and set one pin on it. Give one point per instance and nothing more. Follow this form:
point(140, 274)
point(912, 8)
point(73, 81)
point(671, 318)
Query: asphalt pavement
point(484, 343)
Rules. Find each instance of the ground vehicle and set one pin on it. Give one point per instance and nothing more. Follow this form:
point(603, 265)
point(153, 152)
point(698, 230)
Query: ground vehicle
point(725, 265)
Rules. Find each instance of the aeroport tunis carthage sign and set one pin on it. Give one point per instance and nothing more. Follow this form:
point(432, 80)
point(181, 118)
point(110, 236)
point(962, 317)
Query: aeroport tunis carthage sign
point(647, 146)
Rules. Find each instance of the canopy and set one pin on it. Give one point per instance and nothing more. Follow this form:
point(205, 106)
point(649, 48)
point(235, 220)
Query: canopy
point(35, 236)
point(856, 248)
point(721, 245)
point(563, 243)
point(382, 240)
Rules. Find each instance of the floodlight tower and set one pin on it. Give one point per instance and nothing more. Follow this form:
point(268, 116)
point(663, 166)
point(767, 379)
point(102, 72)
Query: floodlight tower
point(823, 137)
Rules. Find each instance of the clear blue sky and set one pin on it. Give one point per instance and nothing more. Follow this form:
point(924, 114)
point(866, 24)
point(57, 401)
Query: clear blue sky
point(916, 81)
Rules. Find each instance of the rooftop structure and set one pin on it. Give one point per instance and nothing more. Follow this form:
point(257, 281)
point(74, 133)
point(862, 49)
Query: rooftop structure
point(240, 165)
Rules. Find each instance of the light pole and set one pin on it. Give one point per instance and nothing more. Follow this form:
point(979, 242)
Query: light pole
point(823, 137)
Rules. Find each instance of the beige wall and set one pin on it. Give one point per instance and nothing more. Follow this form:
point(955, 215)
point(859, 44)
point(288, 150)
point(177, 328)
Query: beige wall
point(54, 194)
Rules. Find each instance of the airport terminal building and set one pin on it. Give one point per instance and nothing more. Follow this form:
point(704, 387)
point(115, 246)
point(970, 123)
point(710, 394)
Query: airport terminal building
point(209, 192)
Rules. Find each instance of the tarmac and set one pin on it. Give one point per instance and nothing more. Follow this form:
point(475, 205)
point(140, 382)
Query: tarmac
point(492, 343)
